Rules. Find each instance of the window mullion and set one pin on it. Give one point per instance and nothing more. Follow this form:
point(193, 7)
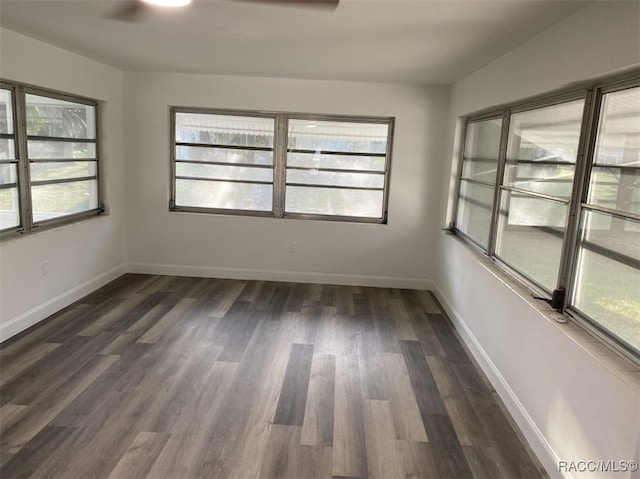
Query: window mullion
point(570, 247)
point(24, 175)
point(279, 167)
point(502, 159)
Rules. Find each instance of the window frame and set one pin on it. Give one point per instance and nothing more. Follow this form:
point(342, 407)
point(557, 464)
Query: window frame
point(28, 224)
point(562, 297)
point(280, 156)
point(222, 112)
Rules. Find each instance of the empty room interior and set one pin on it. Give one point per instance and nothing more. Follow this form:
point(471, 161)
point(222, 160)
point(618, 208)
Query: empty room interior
point(332, 239)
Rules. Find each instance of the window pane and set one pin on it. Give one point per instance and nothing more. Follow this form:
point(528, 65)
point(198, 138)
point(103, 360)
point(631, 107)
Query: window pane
point(7, 149)
point(9, 208)
point(474, 211)
point(6, 112)
point(530, 233)
point(542, 148)
point(341, 162)
point(224, 195)
point(224, 129)
point(8, 174)
point(43, 171)
point(60, 150)
point(552, 180)
point(338, 136)
point(52, 201)
point(615, 178)
point(615, 188)
point(332, 201)
point(482, 147)
point(57, 118)
point(318, 136)
point(315, 177)
point(608, 278)
point(9, 205)
point(222, 155)
point(224, 172)
point(618, 142)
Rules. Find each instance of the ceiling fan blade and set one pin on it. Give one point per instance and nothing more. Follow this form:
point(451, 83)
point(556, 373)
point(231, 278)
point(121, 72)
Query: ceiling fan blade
point(314, 4)
point(129, 11)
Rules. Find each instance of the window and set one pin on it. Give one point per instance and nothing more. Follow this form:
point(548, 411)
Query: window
point(224, 162)
point(478, 179)
point(550, 189)
point(336, 168)
point(542, 148)
point(281, 165)
point(607, 285)
point(9, 203)
point(48, 158)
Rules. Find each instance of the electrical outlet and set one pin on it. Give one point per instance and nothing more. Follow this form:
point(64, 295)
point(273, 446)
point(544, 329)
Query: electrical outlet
point(293, 247)
point(45, 268)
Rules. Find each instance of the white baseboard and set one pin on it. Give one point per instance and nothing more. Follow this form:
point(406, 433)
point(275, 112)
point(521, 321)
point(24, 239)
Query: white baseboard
point(44, 310)
point(528, 427)
point(279, 275)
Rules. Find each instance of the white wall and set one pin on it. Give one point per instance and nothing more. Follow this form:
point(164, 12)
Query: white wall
point(398, 253)
point(80, 256)
point(570, 405)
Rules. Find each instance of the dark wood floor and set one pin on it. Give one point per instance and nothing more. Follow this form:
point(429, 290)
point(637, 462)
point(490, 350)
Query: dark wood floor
point(157, 376)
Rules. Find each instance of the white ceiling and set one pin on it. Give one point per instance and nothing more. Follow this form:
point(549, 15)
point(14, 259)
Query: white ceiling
point(405, 41)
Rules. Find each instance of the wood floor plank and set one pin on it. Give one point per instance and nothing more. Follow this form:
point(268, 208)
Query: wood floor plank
point(417, 460)
point(280, 458)
point(154, 334)
point(402, 326)
point(140, 457)
point(310, 317)
point(374, 381)
point(109, 392)
point(284, 457)
point(29, 458)
point(297, 297)
point(444, 374)
point(208, 403)
point(329, 339)
point(404, 408)
point(317, 427)
point(9, 414)
point(485, 463)
point(184, 456)
point(21, 344)
point(47, 374)
point(293, 397)
point(469, 429)
point(225, 298)
point(23, 361)
point(424, 386)
point(447, 337)
point(102, 449)
point(451, 461)
point(240, 334)
point(48, 407)
point(349, 447)
point(382, 454)
point(85, 319)
point(252, 439)
point(188, 377)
